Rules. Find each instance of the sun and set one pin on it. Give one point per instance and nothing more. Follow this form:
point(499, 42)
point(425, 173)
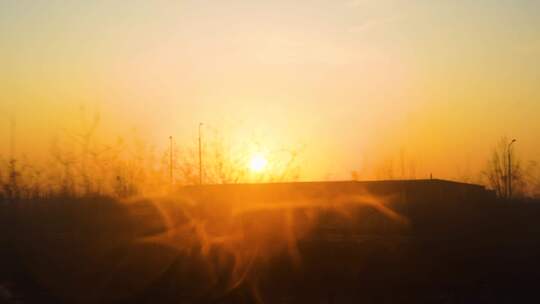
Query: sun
point(258, 163)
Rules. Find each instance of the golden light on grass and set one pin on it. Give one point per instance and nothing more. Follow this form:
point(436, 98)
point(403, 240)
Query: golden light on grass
point(258, 163)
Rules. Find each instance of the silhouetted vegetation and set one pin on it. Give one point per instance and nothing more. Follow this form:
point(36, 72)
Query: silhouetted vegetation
point(506, 174)
point(80, 165)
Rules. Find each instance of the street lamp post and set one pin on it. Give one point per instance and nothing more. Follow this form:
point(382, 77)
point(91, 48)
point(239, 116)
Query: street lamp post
point(171, 165)
point(509, 176)
point(200, 155)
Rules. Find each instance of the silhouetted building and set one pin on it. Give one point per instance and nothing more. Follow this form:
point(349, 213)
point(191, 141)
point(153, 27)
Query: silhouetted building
point(405, 191)
point(369, 207)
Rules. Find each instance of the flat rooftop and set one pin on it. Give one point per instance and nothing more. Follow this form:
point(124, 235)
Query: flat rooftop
point(433, 188)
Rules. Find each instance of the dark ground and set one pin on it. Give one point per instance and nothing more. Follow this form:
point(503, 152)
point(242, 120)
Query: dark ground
point(84, 251)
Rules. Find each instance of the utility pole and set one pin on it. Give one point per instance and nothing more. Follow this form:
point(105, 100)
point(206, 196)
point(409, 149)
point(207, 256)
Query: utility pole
point(200, 156)
point(171, 160)
point(13, 188)
point(12, 126)
point(509, 176)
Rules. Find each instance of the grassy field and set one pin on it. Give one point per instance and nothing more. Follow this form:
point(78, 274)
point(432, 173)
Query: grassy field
point(102, 250)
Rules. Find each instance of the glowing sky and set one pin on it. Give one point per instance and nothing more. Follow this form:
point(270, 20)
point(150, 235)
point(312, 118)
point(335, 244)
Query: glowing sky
point(355, 82)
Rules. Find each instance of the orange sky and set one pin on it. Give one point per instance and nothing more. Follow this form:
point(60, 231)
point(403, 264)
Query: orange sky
point(355, 83)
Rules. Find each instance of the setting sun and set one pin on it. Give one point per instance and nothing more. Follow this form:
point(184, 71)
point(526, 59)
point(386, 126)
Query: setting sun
point(258, 163)
point(255, 151)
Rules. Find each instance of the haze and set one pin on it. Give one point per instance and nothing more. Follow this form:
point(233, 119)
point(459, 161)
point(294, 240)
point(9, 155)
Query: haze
point(354, 83)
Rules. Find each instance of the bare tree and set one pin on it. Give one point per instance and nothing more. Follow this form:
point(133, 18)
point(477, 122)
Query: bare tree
point(84, 138)
point(497, 174)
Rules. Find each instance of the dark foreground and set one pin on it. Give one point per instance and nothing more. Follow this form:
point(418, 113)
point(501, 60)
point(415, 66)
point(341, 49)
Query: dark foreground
point(100, 251)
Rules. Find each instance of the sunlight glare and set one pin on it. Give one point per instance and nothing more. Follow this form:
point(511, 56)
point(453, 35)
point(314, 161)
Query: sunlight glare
point(258, 163)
